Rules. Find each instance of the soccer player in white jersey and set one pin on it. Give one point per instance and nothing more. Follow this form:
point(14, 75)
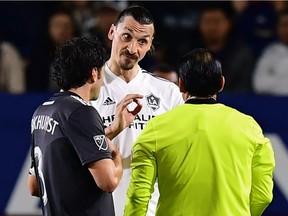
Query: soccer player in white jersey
point(132, 37)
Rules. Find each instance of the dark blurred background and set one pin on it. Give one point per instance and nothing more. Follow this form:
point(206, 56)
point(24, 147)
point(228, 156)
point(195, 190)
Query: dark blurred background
point(239, 32)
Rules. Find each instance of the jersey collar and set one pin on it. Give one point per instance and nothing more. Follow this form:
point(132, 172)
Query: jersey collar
point(201, 101)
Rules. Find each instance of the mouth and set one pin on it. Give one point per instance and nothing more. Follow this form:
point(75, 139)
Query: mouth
point(127, 55)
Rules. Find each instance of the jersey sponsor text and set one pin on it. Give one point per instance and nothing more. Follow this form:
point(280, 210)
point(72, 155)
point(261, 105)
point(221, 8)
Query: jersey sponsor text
point(139, 122)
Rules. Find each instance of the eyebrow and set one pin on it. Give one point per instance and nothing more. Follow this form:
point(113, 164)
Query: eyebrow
point(131, 30)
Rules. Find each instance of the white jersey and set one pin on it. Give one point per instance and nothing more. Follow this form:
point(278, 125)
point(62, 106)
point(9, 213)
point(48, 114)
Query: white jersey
point(159, 96)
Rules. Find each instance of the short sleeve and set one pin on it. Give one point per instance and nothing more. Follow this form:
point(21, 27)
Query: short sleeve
point(263, 164)
point(176, 98)
point(86, 133)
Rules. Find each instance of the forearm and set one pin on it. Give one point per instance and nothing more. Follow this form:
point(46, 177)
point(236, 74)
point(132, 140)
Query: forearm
point(111, 132)
point(118, 170)
point(32, 185)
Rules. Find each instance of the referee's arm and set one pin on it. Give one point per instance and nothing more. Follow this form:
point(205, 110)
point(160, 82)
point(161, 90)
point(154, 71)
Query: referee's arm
point(144, 174)
point(262, 178)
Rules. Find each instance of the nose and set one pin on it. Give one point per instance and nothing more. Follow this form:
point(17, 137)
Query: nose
point(132, 47)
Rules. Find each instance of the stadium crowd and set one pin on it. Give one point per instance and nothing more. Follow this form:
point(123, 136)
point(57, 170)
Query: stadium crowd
point(249, 37)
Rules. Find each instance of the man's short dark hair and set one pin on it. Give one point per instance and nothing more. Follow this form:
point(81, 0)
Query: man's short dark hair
point(139, 13)
point(201, 73)
point(74, 61)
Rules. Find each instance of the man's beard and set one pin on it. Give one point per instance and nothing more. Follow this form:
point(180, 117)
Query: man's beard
point(128, 63)
point(125, 66)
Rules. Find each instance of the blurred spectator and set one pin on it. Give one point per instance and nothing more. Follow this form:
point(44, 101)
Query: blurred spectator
point(256, 23)
point(23, 23)
point(271, 75)
point(217, 34)
point(279, 5)
point(12, 73)
point(105, 14)
point(165, 71)
point(83, 13)
point(240, 6)
point(174, 20)
point(94, 18)
point(61, 27)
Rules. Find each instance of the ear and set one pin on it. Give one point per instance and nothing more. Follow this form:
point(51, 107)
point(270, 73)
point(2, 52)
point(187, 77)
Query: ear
point(181, 86)
point(222, 83)
point(111, 32)
point(95, 75)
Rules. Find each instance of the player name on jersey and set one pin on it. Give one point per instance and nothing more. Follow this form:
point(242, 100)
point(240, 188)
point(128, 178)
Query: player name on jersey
point(43, 122)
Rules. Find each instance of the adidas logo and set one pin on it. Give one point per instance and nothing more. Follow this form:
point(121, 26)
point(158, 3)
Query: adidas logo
point(108, 101)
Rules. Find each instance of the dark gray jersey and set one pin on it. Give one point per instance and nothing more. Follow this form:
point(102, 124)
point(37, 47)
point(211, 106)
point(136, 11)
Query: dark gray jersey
point(68, 134)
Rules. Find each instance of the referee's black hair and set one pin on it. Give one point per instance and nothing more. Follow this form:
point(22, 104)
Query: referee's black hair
point(201, 73)
point(141, 15)
point(74, 61)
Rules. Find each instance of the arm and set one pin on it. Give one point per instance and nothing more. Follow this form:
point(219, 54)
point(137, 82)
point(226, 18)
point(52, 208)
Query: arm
point(263, 164)
point(123, 116)
point(144, 174)
point(106, 172)
point(32, 182)
point(32, 185)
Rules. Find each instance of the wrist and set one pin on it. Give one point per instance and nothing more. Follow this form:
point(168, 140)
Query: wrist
point(112, 131)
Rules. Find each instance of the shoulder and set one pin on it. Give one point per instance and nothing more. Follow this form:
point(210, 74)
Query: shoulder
point(8, 47)
point(275, 48)
point(155, 79)
point(237, 115)
point(70, 103)
point(9, 51)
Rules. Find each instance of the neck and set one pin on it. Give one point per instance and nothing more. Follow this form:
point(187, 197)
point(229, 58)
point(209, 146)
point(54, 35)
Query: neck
point(82, 92)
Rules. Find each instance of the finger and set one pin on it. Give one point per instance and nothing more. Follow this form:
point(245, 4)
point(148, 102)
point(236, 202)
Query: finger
point(125, 104)
point(136, 110)
point(128, 99)
point(132, 97)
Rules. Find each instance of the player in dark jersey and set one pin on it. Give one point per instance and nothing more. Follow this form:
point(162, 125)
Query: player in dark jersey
point(74, 166)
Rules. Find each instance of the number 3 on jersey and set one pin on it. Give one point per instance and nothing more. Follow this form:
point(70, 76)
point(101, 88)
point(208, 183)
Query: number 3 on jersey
point(38, 162)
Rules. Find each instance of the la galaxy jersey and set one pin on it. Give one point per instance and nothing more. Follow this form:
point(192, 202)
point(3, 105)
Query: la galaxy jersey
point(67, 135)
point(159, 96)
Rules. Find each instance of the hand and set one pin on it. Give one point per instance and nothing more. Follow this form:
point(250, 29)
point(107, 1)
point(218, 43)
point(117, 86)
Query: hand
point(123, 116)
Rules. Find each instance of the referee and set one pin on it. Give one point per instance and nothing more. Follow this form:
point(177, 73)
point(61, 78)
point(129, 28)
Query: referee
point(74, 167)
point(210, 159)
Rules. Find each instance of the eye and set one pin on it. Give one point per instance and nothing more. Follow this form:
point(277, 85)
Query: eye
point(142, 42)
point(126, 37)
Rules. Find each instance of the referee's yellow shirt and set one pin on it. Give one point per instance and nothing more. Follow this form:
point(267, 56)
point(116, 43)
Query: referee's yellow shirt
point(210, 160)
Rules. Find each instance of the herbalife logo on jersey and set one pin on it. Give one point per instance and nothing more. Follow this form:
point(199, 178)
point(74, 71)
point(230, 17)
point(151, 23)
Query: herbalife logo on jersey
point(100, 142)
point(153, 101)
point(108, 101)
